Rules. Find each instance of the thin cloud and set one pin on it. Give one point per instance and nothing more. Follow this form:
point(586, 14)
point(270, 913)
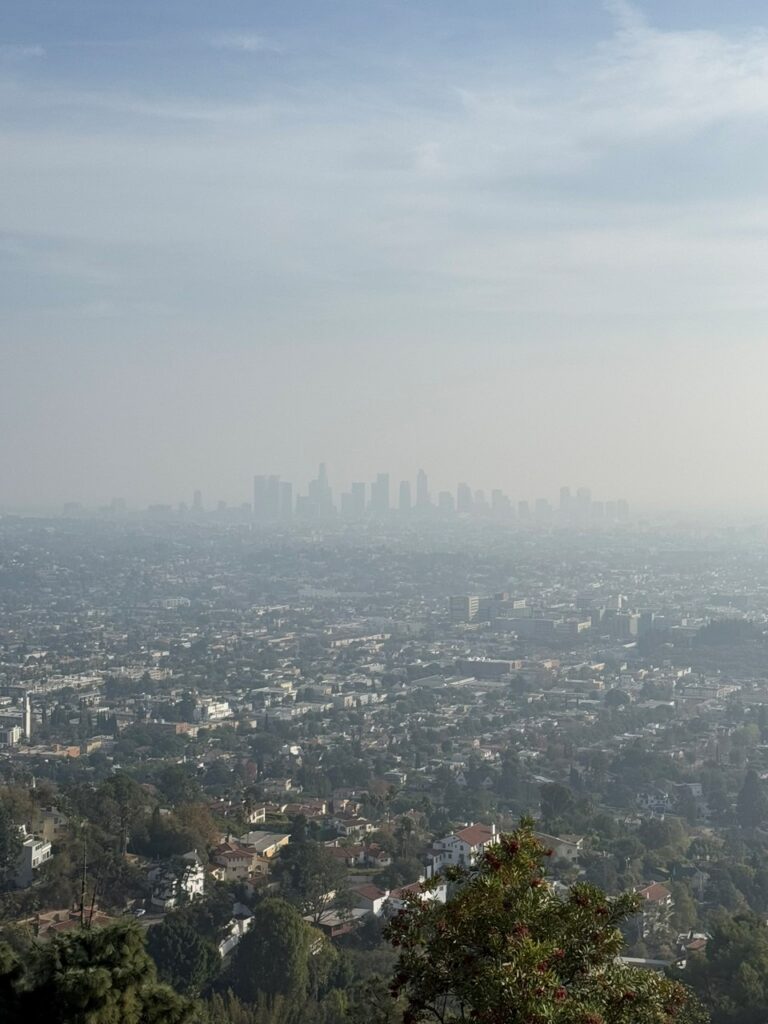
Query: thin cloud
point(244, 42)
point(20, 51)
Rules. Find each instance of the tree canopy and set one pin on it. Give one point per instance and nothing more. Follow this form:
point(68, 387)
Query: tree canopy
point(507, 949)
point(90, 976)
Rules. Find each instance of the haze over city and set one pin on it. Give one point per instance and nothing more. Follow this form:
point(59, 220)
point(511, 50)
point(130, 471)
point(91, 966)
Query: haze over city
point(519, 244)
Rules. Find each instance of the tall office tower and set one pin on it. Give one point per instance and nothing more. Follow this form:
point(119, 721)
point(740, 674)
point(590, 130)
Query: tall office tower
point(523, 511)
point(445, 502)
point(286, 499)
point(357, 494)
point(273, 498)
point(320, 495)
point(622, 510)
point(500, 504)
point(260, 498)
point(27, 716)
point(380, 494)
point(543, 511)
point(583, 504)
point(422, 489)
point(479, 504)
point(565, 502)
point(404, 500)
point(610, 511)
point(598, 511)
point(463, 498)
point(197, 501)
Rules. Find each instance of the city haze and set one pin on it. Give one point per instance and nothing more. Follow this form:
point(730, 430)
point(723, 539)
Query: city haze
point(516, 246)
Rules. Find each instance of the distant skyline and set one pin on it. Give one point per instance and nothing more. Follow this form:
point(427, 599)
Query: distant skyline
point(516, 243)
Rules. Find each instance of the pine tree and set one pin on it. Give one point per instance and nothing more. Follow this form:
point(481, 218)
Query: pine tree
point(752, 803)
point(90, 976)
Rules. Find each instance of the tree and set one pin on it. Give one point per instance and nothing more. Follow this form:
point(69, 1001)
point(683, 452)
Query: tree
point(731, 976)
point(98, 976)
point(184, 958)
point(405, 835)
point(556, 802)
point(120, 804)
point(10, 846)
point(273, 957)
point(617, 699)
point(507, 949)
point(751, 803)
point(310, 876)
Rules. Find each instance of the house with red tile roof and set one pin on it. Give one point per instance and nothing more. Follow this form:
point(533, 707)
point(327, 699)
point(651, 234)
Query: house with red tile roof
point(464, 847)
point(656, 910)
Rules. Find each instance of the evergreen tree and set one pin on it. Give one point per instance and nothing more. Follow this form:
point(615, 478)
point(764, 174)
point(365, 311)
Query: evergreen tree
point(10, 846)
point(184, 958)
point(90, 976)
point(273, 957)
point(752, 803)
point(731, 976)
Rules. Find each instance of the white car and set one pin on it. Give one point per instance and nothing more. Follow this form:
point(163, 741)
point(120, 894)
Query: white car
point(140, 912)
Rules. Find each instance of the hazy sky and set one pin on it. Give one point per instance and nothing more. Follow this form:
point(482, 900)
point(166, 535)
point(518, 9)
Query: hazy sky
point(518, 242)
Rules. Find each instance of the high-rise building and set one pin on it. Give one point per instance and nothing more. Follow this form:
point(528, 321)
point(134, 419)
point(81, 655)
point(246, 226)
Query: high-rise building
point(463, 498)
point(273, 498)
point(286, 499)
point(523, 511)
point(404, 498)
point(445, 502)
point(479, 504)
point(565, 502)
point(260, 498)
point(197, 501)
point(357, 492)
point(380, 494)
point(500, 504)
point(320, 501)
point(583, 505)
point(422, 489)
point(27, 716)
point(266, 498)
point(464, 607)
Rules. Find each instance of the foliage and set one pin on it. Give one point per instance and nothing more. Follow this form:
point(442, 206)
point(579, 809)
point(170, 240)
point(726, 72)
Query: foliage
point(184, 958)
point(752, 803)
point(731, 976)
point(310, 876)
point(506, 949)
point(10, 845)
point(98, 976)
point(273, 957)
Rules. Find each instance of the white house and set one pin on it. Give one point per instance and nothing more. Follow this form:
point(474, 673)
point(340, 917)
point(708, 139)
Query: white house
point(463, 848)
point(563, 847)
point(169, 887)
point(240, 924)
point(34, 853)
point(396, 900)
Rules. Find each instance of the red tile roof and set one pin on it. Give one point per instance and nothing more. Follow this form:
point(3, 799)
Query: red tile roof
point(475, 835)
point(369, 892)
point(655, 892)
